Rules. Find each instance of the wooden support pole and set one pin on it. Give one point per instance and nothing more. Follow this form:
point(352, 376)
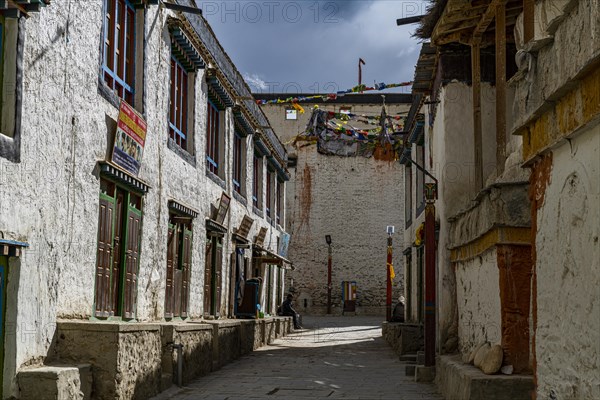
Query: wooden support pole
point(430, 284)
point(528, 20)
point(329, 280)
point(388, 291)
point(477, 141)
point(500, 87)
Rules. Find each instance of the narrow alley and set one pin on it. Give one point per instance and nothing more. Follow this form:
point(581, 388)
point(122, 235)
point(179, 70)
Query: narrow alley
point(332, 357)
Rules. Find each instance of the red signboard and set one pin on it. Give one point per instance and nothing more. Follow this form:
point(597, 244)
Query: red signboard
point(129, 139)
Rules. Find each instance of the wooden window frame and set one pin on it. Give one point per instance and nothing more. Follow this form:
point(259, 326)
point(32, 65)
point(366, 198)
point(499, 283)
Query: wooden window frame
point(12, 36)
point(408, 195)
point(2, 48)
point(269, 197)
point(213, 138)
point(238, 163)
point(179, 129)
point(420, 181)
point(279, 200)
point(119, 50)
point(256, 181)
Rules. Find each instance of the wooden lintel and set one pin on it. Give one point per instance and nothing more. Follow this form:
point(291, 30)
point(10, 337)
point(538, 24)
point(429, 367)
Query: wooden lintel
point(477, 128)
point(500, 87)
point(270, 260)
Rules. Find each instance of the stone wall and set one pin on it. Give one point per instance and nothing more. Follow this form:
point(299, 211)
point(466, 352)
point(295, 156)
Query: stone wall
point(137, 361)
point(403, 338)
point(352, 199)
point(125, 358)
point(197, 351)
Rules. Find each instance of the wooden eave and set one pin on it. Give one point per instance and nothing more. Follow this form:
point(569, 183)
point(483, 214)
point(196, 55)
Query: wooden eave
point(425, 69)
point(466, 21)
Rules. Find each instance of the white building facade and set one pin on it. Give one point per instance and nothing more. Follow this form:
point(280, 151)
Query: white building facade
point(87, 239)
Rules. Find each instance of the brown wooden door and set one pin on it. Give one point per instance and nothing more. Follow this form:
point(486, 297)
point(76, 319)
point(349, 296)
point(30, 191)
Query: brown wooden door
point(208, 275)
point(171, 254)
point(134, 219)
point(186, 266)
point(104, 256)
point(218, 274)
point(117, 263)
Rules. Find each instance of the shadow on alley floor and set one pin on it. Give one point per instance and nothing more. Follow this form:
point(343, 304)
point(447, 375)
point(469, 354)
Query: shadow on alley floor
point(332, 357)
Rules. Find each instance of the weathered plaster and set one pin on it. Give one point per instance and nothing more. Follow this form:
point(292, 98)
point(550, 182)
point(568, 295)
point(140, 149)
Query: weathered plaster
point(449, 144)
point(50, 198)
point(478, 301)
point(557, 67)
point(567, 336)
point(352, 199)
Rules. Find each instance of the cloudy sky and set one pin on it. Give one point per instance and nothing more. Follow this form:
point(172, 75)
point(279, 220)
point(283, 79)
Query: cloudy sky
point(314, 46)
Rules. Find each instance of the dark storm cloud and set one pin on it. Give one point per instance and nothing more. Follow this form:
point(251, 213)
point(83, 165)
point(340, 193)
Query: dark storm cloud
point(314, 46)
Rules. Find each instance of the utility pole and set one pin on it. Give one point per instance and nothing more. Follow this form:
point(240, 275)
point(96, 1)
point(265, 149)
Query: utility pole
point(361, 62)
point(328, 240)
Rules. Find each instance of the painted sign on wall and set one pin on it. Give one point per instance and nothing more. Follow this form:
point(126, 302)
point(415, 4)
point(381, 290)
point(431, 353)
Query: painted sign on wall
point(284, 244)
point(129, 139)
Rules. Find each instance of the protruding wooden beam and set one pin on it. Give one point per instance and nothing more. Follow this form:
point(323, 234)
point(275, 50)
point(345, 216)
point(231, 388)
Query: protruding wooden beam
point(528, 20)
point(500, 87)
point(477, 129)
point(486, 18)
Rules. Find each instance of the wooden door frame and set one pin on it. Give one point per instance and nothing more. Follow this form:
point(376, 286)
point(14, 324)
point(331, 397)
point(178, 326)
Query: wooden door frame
point(3, 286)
point(126, 208)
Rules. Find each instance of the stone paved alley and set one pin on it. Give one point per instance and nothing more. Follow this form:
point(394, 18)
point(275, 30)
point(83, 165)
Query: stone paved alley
point(333, 357)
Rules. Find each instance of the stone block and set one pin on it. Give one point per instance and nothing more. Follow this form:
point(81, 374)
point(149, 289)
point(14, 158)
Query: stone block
point(424, 374)
point(269, 330)
point(420, 357)
point(226, 342)
point(125, 358)
point(459, 381)
point(51, 383)
point(248, 333)
point(408, 358)
point(403, 337)
point(409, 370)
point(196, 339)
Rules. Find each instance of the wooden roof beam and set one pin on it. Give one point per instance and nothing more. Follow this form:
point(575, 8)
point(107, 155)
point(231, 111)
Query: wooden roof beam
point(486, 19)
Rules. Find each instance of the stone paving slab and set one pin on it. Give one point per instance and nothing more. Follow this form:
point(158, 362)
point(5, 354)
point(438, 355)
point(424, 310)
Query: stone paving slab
point(332, 358)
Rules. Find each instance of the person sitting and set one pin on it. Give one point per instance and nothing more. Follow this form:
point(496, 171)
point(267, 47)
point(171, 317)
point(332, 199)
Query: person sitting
point(288, 310)
point(398, 315)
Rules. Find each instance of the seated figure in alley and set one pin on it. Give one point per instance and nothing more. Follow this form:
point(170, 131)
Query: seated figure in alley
point(398, 315)
point(287, 309)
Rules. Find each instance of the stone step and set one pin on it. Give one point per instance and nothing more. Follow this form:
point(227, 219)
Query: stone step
point(457, 380)
point(56, 382)
point(421, 357)
point(409, 358)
